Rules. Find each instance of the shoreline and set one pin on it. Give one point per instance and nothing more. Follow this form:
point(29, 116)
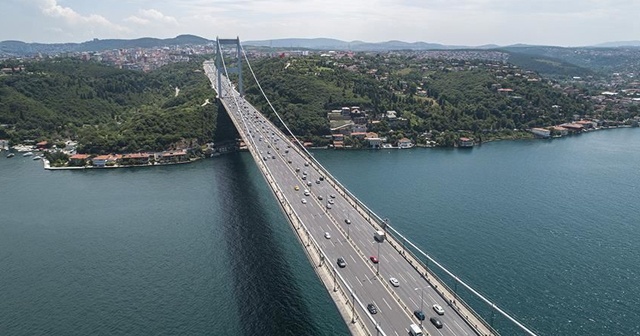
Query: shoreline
point(47, 166)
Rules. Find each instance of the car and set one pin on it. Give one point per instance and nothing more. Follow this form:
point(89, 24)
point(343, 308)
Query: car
point(348, 221)
point(296, 188)
point(331, 201)
point(289, 161)
point(327, 235)
point(273, 157)
point(419, 314)
point(342, 263)
point(438, 309)
point(332, 196)
point(297, 169)
point(374, 259)
point(436, 322)
point(328, 206)
point(372, 308)
point(304, 201)
point(320, 197)
point(321, 178)
point(286, 151)
point(317, 181)
point(306, 192)
point(304, 177)
point(309, 183)
point(394, 282)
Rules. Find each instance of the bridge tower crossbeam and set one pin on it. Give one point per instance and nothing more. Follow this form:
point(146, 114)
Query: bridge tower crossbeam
point(237, 69)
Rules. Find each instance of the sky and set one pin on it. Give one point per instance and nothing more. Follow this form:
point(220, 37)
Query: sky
point(449, 22)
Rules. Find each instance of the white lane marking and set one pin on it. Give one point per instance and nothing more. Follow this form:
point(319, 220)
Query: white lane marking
point(352, 258)
point(405, 280)
point(414, 303)
point(446, 325)
point(366, 276)
point(414, 279)
point(393, 256)
point(385, 258)
point(399, 334)
point(460, 327)
point(431, 297)
point(385, 301)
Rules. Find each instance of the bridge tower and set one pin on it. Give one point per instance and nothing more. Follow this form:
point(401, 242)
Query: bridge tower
point(237, 69)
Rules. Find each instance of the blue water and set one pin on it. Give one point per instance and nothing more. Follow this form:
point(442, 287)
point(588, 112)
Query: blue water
point(547, 230)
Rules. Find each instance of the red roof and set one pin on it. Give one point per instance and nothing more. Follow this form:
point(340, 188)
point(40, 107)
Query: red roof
point(136, 156)
point(42, 143)
point(79, 157)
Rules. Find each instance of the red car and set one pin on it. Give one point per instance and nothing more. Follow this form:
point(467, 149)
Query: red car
point(374, 259)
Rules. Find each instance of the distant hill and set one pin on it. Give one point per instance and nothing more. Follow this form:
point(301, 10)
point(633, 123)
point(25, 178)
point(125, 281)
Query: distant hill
point(618, 44)
point(333, 44)
point(18, 48)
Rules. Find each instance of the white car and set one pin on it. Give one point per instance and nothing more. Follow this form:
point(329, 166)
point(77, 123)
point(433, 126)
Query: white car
point(438, 309)
point(304, 201)
point(331, 201)
point(306, 192)
point(394, 282)
point(327, 235)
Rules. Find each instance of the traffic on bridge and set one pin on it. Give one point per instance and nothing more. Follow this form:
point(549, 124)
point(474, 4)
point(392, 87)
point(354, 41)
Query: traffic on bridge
point(378, 287)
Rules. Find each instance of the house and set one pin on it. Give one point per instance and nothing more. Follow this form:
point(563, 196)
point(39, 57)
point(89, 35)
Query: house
point(174, 156)
point(391, 115)
point(405, 143)
point(560, 130)
point(42, 145)
point(135, 159)
point(465, 142)
point(359, 135)
point(358, 128)
point(79, 160)
point(100, 160)
point(541, 132)
point(373, 140)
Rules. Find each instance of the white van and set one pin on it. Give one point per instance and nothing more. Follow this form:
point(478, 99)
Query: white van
point(414, 330)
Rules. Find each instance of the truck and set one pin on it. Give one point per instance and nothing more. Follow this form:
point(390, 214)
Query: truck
point(379, 236)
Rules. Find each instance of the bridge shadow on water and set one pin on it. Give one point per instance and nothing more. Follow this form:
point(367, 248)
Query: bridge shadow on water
point(269, 296)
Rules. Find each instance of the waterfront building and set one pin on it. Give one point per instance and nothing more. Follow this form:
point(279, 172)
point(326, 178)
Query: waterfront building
point(541, 132)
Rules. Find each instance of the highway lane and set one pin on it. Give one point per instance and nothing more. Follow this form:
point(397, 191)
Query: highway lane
point(360, 272)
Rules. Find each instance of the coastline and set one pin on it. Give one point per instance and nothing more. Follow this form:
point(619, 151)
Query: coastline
point(47, 165)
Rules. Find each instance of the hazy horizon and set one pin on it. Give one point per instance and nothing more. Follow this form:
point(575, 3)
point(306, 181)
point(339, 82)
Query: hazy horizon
point(454, 22)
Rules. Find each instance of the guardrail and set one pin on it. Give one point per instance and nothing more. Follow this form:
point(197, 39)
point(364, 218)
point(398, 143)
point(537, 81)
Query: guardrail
point(342, 286)
point(378, 223)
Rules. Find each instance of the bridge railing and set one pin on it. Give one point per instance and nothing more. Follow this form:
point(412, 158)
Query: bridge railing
point(345, 289)
point(377, 222)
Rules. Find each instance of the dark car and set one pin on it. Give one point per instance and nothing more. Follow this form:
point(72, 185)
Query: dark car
point(374, 259)
point(341, 263)
point(420, 315)
point(372, 308)
point(436, 322)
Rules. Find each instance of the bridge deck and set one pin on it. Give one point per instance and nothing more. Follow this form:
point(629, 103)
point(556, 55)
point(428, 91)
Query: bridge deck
point(286, 166)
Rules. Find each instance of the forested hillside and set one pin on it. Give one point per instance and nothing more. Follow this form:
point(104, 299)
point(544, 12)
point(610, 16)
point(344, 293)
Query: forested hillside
point(107, 110)
point(447, 97)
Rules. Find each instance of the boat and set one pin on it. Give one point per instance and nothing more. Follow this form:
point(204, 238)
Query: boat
point(10, 155)
point(28, 154)
point(37, 157)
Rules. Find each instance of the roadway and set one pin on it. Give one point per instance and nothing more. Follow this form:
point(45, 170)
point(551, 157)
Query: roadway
point(290, 167)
